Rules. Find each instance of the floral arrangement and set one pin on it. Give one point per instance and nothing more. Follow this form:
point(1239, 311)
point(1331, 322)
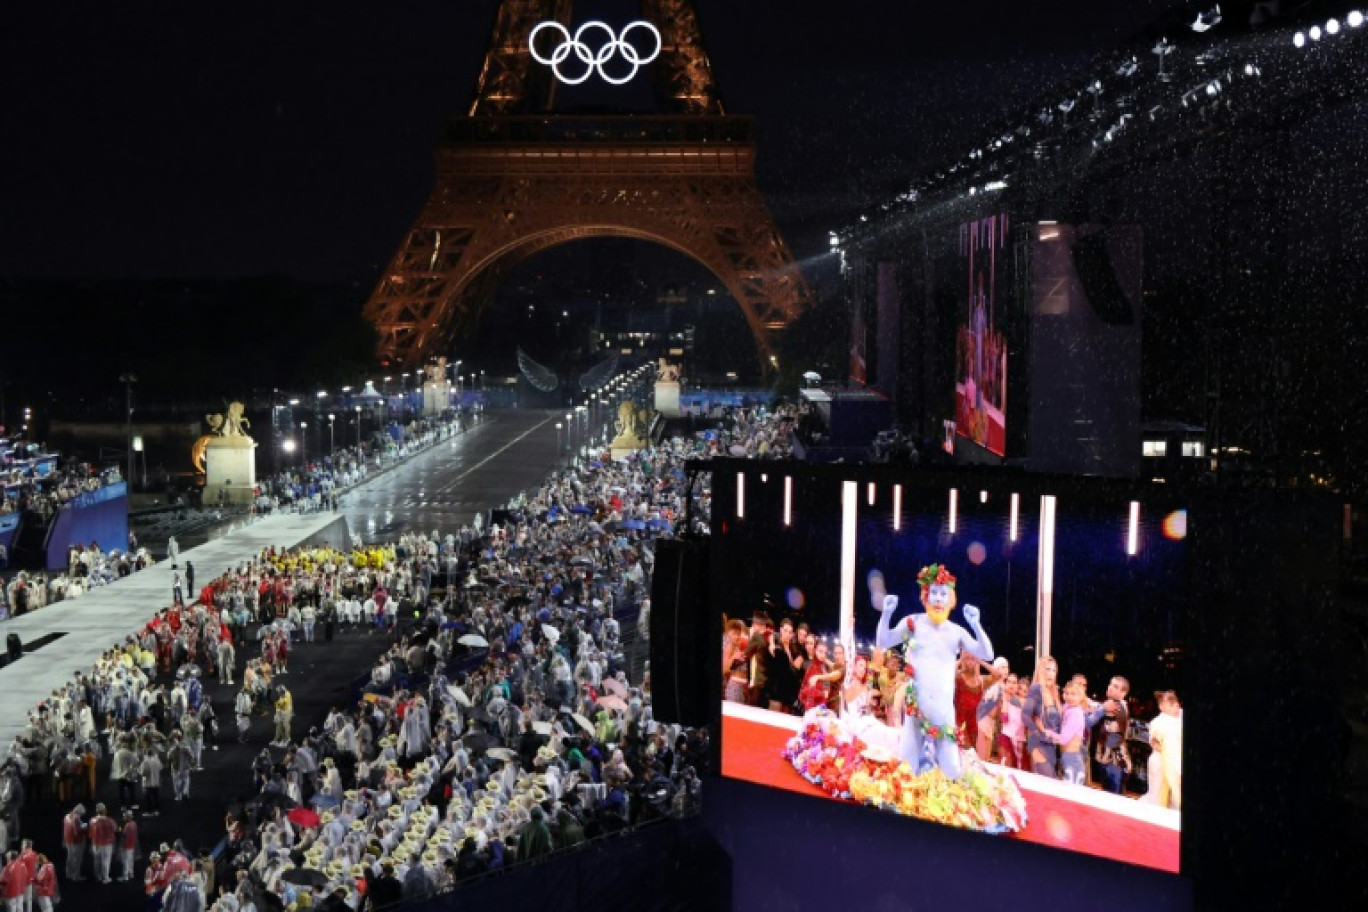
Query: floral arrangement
point(935, 575)
point(981, 799)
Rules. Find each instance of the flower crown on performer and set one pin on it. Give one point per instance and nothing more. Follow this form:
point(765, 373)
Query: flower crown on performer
point(935, 575)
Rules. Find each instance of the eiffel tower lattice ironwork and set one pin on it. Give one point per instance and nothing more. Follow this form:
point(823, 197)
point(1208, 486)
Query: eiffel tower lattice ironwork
point(514, 179)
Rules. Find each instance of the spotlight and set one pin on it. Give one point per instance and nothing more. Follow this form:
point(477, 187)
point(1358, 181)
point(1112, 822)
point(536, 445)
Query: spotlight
point(1208, 19)
point(1314, 33)
point(1355, 19)
point(1212, 88)
point(1299, 39)
point(1128, 68)
point(1332, 27)
point(1251, 70)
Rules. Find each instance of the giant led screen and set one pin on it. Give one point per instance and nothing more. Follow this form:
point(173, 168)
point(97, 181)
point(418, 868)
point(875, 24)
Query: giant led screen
point(996, 653)
point(981, 273)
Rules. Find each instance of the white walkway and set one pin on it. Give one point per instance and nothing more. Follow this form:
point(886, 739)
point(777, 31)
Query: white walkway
point(104, 617)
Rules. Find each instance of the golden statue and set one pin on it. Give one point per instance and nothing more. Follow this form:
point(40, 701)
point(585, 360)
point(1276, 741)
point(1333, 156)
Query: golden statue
point(230, 423)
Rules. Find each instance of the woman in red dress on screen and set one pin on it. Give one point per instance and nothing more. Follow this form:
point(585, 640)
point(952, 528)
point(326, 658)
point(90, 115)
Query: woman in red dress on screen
point(968, 693)
point(817, 680)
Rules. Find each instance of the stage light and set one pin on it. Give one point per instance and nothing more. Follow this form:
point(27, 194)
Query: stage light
point(740, 495)
point(983, 496)
point(897, 507)
point(1332, 27)
point(1251, 70)
point(1314, 33)
point(1045, 579)
point(954, 510)
point(849, 524)
point(1212, 88)
point(1133, 531)
point(870, 495)
point(1299, 39)
point(1012, 517)
point(1355, 19)
point(764, 478)
point(788, 500)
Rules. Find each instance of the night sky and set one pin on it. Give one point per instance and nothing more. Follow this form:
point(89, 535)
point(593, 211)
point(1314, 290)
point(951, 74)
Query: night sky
point(224, 140)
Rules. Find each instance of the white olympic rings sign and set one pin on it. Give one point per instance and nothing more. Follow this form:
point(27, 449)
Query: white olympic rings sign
point(592, 60)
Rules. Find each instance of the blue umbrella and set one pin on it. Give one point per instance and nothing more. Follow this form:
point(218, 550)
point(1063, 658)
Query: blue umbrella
point(581, 509)
point(323, 800)
point(657, 523)
point(634, 524)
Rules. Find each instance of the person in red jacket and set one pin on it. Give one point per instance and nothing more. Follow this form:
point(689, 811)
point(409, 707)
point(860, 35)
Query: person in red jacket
point(29, 857)
point(14, 881)
point(102, 830)
point(128, 845)
point(74, 840)
point(45, 884)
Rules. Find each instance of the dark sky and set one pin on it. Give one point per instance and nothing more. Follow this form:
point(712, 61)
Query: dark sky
point(178, 139)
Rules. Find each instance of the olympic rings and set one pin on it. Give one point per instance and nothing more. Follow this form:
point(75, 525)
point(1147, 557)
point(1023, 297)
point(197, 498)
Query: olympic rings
point(593, 61)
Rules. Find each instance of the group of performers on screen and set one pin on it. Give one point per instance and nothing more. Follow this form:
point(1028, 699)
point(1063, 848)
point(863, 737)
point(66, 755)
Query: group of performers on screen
point(1029, 724)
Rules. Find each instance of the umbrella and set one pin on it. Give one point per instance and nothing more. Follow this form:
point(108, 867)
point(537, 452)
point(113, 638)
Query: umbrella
point(279, 799)
point(608, 701)
point(812, 376)
point(551, 633)
point(583, 723)
point(581, 562)
point(305, 877)
point(473, 639)
point(450, 625)
point(633, 524)
point(614, 686)
point(581, 509)
point(303, 816)
point(542, 728)
point(459, 695)
point(657, 523)
point(479, 714)
point(477, 742)
point(323, 801)
point(501, 753)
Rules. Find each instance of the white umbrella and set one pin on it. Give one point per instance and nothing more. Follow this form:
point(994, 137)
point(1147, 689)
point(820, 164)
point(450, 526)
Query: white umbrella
point(542, 728)
point(583, 723)
point(812, 376)
point(473, 639)
point(459, 695)
point(551, 633)
point(501, 753)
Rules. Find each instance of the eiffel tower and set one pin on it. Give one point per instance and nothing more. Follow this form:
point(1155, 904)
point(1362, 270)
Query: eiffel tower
point(514, 179)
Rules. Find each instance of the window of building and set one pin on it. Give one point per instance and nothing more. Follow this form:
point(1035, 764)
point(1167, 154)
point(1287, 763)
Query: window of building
point(1193, 449)
point(1156, 448)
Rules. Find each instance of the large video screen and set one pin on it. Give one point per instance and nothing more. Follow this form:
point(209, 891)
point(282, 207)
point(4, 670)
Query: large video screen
point(982, 270)
point(994, 652)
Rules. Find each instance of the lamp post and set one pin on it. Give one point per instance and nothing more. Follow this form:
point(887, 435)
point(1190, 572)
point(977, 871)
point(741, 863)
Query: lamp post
point(558, 441)
point(332, 442)
point(358, 427)
point(128, 380)
point(304, 443)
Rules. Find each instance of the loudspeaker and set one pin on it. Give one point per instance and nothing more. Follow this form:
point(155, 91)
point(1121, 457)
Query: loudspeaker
point(685, 656)
point(1092, 263)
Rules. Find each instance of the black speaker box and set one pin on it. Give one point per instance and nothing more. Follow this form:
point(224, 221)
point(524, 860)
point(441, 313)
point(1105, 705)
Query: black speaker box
point(685, 656)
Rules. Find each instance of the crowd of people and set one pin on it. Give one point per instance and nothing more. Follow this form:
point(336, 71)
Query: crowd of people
point(506, 718)
point(1032, 725)
point(44, 495)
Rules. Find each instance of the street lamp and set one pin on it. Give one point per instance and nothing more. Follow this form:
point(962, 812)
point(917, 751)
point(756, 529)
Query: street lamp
point(558, 440)
point(304, 443)
point(128, 380)
point(358, 427)
point(332, 443)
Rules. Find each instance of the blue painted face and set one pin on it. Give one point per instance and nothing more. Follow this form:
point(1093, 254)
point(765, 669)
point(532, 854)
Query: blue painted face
point(939, 600)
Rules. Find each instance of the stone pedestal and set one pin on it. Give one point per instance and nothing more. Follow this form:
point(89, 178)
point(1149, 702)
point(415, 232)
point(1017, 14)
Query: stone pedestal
point(625, 445)
point(436, 397)
point(230, 471)
point(667, 398)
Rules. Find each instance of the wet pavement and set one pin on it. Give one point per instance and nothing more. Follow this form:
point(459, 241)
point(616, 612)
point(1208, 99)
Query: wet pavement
point(443, 488)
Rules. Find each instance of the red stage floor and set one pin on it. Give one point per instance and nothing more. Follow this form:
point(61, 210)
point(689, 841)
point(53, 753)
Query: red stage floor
point(751, 751)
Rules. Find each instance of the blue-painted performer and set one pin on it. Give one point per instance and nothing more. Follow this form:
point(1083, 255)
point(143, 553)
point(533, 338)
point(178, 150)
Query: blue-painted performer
point(931, 648)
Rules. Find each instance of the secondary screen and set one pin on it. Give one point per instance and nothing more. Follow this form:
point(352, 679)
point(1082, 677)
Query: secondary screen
point(995, 657)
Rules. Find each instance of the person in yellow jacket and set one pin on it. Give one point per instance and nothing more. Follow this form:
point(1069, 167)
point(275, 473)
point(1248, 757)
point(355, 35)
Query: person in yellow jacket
point(284, 712)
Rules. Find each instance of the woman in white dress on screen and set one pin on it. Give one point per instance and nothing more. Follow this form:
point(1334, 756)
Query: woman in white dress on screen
point(859, 703)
